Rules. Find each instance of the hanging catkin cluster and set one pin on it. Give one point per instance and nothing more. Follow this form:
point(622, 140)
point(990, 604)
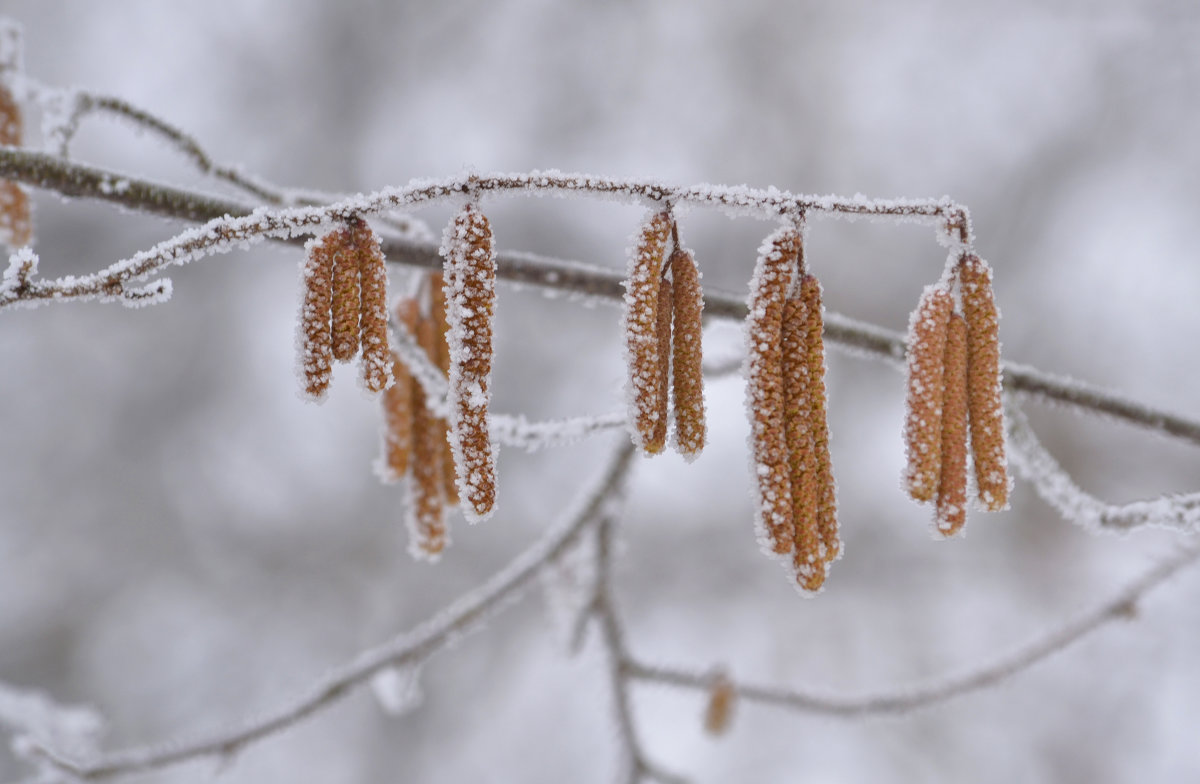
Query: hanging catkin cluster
point(786, 402)
point(954, 397)
point(662, 325)
point(16, 219)
point(344, 308)
point(470, 292)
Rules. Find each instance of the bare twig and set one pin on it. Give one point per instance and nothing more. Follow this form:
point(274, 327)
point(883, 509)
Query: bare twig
point(410, 648)
point(1120, 607)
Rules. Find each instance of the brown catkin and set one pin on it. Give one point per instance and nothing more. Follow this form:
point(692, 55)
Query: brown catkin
point(658, 438)
point(314, 341)
point(773, 274)
point(427, 513)
point(818, 421)
point(372, 268)
point(470, 308)
point(952, 485)
point(718, 714)
point(640, 323)
point(802, 463)
point(398, 402)
point(984, 384)
point(926, 365)
point(347, 296)
point(16, 218)
point(437, 309)
point(687, 354)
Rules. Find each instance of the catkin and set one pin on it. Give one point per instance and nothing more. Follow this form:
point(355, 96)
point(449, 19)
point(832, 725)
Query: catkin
point(814, 343)
point(984, 384)
point(687, 354)
point(347, 296)
point(16, 218)
point(952, 485)
point(802, 463)
point(372, 268)
point(398, 403)
point(314, 341)
point(926, 365)
point(470, 299)
point(658, 437)
point(427, 514)
point(718, 714)
point(764, 387)
point(641, 331)
point(441, 328)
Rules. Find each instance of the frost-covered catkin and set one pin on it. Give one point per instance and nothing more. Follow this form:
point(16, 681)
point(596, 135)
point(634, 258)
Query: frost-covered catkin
point(470, 306)
point(926, 365)
point(802, 459)
point(314, 339)
point(658, 438)
point(426, 512)
point(347, 298)
point(952, 486)
point(640, 324)
point(718, 713)
point(687, 354)
point(984, 383)
point(372, 269)
point(398, 403)
point(16, 219)
point(818, 420)
point(764, 387)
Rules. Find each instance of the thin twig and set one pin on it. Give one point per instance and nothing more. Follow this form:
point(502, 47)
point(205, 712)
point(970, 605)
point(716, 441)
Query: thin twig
point(410, 648)
point(1121, 606)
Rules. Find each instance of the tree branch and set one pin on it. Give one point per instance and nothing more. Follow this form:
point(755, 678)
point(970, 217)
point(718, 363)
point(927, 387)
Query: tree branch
point(410, 648)
point(80, 181)
point(1121, 606)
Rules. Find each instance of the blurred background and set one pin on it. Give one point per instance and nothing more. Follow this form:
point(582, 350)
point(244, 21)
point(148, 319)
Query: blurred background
point(184, 543)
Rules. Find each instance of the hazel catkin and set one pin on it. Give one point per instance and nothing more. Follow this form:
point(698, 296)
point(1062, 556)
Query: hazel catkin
point(926, 367)
point(314, 338)
point(818, 421)
point(470, 291)
point(765, 403)
point(687, 354)
point(640, 325)
point(984, 383)
point(426, 513)
point(951, 507)
point(16, 215)
point(372, 319)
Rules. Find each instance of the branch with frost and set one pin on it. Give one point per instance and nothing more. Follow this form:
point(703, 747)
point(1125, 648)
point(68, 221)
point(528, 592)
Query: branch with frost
point(231, 224)
point(1056, 487)
point(1122, 606)
point(410, 649)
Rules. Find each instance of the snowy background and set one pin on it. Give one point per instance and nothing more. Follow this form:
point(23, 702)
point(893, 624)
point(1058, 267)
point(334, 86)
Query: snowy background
point(183, 542)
